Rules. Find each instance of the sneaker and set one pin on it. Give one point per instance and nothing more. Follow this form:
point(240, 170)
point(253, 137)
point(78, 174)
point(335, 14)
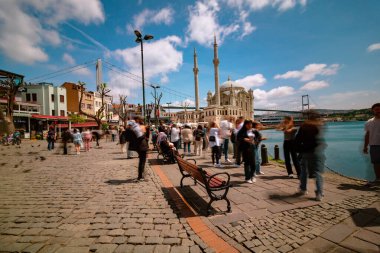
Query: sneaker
point(228, 161)
point(253, 179)
point(319, 197)
point(302, 192)
point(249, 181)
point(218, 165)
point(291, 176)
point(260, 173)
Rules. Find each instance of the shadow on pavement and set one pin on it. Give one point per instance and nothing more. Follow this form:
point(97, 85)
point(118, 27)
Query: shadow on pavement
point(365, 217)
point(119, 182)
point(357, 187)
point(273, 177)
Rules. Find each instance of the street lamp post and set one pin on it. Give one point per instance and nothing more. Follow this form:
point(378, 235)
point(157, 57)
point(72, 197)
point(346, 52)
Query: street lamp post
point(155, 102)
point(140, 39)
point(169, 103)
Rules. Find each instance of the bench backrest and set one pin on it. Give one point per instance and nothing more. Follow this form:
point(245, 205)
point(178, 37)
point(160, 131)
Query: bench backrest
point(191, 168)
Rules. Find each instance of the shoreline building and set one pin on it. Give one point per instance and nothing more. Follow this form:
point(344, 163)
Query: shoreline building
point(229, 101)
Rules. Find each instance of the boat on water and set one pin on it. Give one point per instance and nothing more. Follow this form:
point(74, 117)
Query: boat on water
point(271, 121)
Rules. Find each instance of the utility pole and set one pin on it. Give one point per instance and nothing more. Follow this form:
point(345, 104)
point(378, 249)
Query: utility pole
point(156, 99)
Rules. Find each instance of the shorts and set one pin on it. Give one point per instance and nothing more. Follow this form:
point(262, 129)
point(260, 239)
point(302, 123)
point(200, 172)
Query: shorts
point(374, 151)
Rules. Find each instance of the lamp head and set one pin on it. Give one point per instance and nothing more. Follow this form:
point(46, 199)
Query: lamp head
point(138, 40)
point(148, 37)
point(138, 34)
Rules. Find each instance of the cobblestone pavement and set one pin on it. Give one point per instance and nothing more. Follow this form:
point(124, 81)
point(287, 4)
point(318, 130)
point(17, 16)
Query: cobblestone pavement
point(84, 203)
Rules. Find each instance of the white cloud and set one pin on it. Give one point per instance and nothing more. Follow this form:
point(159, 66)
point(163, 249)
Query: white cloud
point(68, 59)
point(373, 47)
point(203, 24)
point(27, 25)
point(120, 84)
point(160, 58)
point(187, 102)
point(265, 99)
point(252, 81)
point(83, 71)
point(256, 5)
point(349, 99)
point(315, 85)
point(310, 71)
point(163, 16)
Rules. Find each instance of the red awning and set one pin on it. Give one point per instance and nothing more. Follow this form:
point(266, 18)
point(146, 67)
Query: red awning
point(84, 124)
point(39, 116)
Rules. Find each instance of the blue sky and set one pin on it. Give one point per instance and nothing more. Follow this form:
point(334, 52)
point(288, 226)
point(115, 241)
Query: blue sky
point(282, 49)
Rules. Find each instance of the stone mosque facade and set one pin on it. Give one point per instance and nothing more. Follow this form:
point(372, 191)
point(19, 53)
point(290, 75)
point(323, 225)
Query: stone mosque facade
point(229, 100)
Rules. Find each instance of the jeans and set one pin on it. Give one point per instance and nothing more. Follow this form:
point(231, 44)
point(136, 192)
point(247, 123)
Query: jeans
point(50, 144)
point(215, 154)
point(257, 160)
point(313, 165)
point(289, 151)
point(142, 161)
point(186, 144)
point(225, 148)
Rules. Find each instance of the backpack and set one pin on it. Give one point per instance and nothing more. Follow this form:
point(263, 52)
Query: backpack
point(233, 137)
point(198, 135)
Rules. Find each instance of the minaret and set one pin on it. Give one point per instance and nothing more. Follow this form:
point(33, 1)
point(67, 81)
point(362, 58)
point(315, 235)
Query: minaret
point(216, 70)
point(98, 74)
point(195, 70)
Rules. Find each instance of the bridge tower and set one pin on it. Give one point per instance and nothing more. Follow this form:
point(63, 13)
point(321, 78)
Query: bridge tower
point(305, 103)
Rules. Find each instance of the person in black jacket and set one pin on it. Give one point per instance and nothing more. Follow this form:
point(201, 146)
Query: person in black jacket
point(246, 140)
point(310, 144)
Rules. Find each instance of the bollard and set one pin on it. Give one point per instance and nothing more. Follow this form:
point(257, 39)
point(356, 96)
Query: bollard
point(264, 155)
point(276, 152)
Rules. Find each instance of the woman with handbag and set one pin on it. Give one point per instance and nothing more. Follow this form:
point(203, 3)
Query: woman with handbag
point(214, 144)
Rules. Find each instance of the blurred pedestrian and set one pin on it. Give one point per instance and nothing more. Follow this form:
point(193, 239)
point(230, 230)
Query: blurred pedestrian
point(174, 136)
point(309, 142)
point(198, 136)
point(77, 139)
point(139, 143)
point(237, 152)
point(246, 140)
point(214, 144)
point(372, 139)
point(290, 154)
point(256, 127)
point(51, 136)
point(66, 138)
point(87, 136)
point(122, 139)
point(187, 138)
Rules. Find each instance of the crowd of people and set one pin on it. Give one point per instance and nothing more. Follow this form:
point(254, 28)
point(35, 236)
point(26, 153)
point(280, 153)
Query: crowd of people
point(303, 146)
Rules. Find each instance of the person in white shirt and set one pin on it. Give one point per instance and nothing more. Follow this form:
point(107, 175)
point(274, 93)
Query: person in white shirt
point(226, 128)
point(174, 135)
point(372, 139)
point(214, 144)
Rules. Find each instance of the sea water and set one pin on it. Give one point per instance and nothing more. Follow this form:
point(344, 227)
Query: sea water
point(344, 148)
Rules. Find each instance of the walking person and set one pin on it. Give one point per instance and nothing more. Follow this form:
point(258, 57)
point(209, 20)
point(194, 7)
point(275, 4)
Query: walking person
point(256, 127)
point(51, 138)
point(372, 139)
point(139, 144)
point(310, 144)
point(187, 138)
point(226, 128)
point(66, 138)
point(122, 139)
point(198, 135)
point(214, 144)
point(246, 140)
point(87, 136)
point(174, 136)
point(290, 154)
point(77, 139)
point(238, 152)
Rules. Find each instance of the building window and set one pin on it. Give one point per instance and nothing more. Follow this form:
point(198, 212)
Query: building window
point(34, 97)
point(52, 97)
point(62, 112)
point(82, 106)
point(89, 106)
point(52, 112)
point(28, 97)
point(61, 98)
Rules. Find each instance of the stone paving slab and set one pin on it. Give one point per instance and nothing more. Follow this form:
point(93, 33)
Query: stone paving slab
point(84, 203)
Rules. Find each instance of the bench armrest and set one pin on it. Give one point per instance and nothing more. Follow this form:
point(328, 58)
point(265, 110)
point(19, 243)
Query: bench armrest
point(227, 183)
point(195, 162)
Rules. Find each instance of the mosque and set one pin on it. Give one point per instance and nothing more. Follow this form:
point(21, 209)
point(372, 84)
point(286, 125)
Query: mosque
point(229, 101)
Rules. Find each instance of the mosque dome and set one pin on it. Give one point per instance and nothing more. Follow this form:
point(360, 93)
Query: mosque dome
point(229, 83)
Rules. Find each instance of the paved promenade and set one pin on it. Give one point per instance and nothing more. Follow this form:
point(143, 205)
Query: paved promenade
point(90, 203)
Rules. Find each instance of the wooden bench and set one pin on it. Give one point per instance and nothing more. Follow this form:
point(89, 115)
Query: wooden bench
point(216, 187)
